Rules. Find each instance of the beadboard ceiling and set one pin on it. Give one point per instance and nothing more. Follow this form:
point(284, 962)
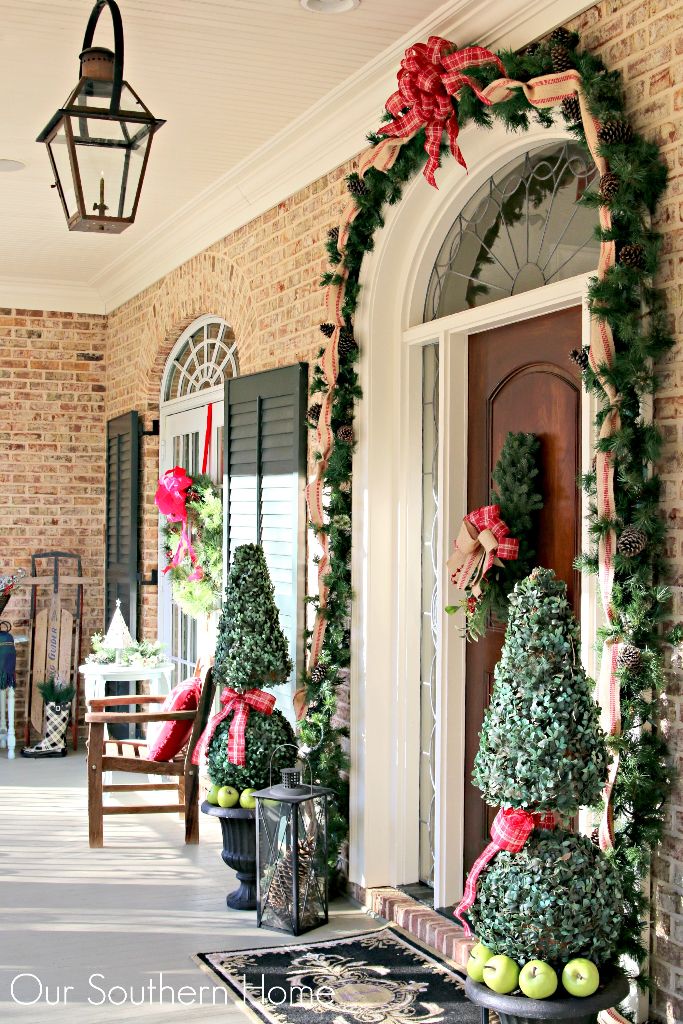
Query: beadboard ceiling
point(260, 96)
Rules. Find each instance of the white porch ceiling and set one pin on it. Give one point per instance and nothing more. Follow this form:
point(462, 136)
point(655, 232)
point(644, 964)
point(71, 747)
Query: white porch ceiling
point(260, 97)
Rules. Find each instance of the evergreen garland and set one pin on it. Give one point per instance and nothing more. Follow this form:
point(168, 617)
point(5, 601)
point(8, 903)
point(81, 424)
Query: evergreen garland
point(197, 597)
point(641, 603)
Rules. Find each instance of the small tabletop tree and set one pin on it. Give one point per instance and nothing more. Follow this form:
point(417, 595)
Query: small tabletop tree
point(251, 653)
point(542, 749)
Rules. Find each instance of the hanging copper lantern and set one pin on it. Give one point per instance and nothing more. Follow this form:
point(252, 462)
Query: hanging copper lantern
point(99, 141)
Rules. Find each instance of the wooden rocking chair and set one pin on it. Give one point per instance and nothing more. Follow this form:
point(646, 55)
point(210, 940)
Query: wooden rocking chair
point(109, 755)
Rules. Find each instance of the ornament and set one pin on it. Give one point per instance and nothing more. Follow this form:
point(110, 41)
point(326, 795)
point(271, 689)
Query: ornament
point(571, 108)
point(327, 330)
point(356, 185)
point(632, 542)
point(614, 132)
point(314, 411)
point(347, 342)
point(563, 37)
point(333, 235)
point(560, 58)
point(632, 256)
point(318, 675)
point(629, 656)
point(580, 357)
point(609, 186)
point(345, 434)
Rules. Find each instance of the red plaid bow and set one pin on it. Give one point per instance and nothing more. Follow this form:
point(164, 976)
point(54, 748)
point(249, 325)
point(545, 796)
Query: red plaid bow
point(430, 74)
point(241, 704)
point(483, 540)
point(510, 830)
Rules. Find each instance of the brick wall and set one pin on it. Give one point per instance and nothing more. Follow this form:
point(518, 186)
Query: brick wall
point(52, 380)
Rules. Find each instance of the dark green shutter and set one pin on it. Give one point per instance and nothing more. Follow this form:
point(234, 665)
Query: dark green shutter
point(265, 465)
point(121, 539)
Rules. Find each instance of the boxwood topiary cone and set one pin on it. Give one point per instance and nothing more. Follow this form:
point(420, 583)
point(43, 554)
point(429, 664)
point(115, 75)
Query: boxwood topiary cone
point(541, 744)
point(263, 734)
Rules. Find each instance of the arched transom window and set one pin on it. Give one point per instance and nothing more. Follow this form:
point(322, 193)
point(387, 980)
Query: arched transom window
point(524, 228)
point(205, 357)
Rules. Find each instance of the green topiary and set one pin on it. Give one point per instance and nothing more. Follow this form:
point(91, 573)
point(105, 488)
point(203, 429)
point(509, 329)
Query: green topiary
point(541, 745)
point(558, 898)
point(263, 734)
point(251, 651)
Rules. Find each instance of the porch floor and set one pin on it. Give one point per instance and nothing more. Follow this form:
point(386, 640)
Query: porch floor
point(140, 906)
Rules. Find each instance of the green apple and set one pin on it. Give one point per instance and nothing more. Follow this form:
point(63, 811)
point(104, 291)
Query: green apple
point(501, 974)
point(227, 796)
point(212, 795)
point(537, 980)
point(581, 977)
point(247, 800)
point(479, 955)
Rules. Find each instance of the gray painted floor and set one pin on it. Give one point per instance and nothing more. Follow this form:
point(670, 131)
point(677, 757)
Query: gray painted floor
point(140, 906)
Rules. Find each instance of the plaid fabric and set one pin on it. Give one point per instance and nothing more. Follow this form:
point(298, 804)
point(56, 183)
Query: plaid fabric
point(242, 704)
point(430, 75)
point(483, 539)
point(511, 828)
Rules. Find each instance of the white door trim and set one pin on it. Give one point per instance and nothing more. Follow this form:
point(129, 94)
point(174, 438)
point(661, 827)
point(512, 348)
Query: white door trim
point(385, 568)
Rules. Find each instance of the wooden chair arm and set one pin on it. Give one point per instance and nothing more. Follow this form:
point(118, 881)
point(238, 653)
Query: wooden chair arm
point(127, 699)
point(111, 717)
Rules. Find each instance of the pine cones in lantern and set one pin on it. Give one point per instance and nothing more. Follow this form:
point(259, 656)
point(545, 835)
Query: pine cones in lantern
point(345, 434)
point(560, 58)
point(612, 132)
point(571, 109)
point(609, 186)
point(563, 37)
point(629, 656)
point(632, 256)
point(318, 675)
point(356, 185)
point(580, 357)
point(279, 892)
point(347, 342)
point(632, 542)
point(314, 412)
point(327, 330)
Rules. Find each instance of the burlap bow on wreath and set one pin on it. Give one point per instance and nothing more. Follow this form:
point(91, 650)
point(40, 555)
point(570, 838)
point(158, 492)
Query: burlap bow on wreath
point(482, 542)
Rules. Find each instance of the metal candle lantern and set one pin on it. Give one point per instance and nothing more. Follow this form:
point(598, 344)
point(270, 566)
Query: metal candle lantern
point(99, 141)
point(291, 855)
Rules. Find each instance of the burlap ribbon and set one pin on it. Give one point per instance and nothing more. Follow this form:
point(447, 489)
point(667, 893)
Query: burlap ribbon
point(241, 704)
point(482, 542)
point(510, 830)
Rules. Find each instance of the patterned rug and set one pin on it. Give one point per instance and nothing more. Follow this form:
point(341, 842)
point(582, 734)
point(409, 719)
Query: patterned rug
point(378, 977)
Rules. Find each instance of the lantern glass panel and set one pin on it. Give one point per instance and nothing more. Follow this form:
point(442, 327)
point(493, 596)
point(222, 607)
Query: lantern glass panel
point(59, 152)
point(292, 861)
point(110, 157)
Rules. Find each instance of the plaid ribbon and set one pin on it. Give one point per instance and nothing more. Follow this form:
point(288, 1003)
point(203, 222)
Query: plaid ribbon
point(242, 704)
point(430, 75)
point(483, 540)
point(511, 828)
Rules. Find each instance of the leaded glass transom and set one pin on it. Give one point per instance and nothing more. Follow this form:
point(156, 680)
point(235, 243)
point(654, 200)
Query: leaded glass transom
point(206, 359)
point(524, 228)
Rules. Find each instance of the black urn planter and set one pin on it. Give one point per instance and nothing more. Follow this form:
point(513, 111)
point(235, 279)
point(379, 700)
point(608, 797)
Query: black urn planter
point(238, 825)
point(562, 1009)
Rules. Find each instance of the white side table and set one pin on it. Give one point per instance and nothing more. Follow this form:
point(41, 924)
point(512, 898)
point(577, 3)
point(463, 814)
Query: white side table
point(7, 735)
point(96, 676)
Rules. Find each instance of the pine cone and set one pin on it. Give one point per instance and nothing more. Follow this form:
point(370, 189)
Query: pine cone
point(346, 639)
point(609, 186)
point(580, 357)
point(347, 342)
point(356, 185)
point(632, 256)
point(532, 48)
point(327, 329)
point(333, 235)
point(629, 656)
point(612, 132)
point(318, 675)
point(571, 109)
point(560, 58)
point(632, 542)
point(563, 37)
point(345, 434)
point(595, 837)
point(314, 412)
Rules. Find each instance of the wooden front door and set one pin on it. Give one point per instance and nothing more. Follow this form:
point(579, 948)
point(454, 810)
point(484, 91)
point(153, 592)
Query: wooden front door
point(521, 379)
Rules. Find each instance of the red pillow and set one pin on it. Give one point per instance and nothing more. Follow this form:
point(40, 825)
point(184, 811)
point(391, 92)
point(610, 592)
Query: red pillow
point(166, 739)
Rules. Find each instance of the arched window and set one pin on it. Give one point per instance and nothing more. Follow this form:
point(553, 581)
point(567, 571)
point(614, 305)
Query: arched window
point(522, 229)
point(205, 357)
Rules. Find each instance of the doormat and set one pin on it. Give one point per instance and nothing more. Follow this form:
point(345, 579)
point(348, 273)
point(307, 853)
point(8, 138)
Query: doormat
point(378, 977)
